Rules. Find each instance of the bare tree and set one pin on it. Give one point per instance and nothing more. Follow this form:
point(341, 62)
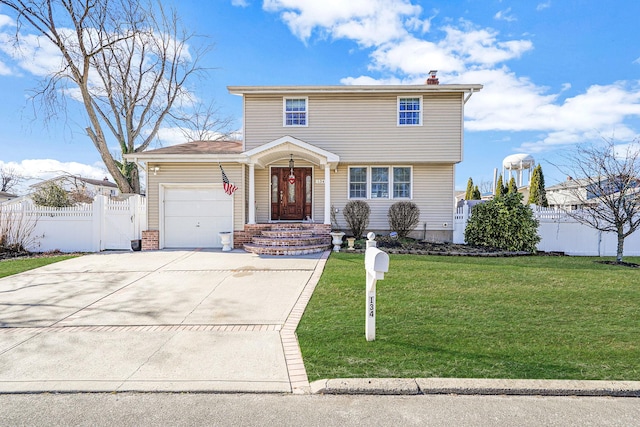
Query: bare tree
point(9, 178)
point(128, 64)
point(206, 123)
point(606, 183)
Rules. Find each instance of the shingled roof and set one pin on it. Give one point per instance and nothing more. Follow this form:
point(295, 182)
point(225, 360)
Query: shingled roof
point(201, 147)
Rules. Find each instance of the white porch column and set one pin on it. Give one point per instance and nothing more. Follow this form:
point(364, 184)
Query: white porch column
point(327, 194)
point(252, 194)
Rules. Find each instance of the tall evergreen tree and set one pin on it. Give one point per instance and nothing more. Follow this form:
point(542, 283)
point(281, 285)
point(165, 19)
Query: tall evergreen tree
point(537, 193)
point(468, 195)
point(513, 187)
point(499, 191)
point(476, 194)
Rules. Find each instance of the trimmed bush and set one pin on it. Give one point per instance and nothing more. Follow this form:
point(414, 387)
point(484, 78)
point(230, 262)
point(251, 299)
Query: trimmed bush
point(503, 223)
point(356, 213)
point(403, 217)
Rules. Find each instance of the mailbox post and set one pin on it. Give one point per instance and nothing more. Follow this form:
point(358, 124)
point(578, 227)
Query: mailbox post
point(376, 263)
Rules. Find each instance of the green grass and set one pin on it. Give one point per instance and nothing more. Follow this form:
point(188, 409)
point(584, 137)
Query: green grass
point(15, 266)
point(523, 317)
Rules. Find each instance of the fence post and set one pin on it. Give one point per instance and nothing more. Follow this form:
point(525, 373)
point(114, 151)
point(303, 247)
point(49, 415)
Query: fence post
point(465, 214)
point(97, 220)
point(133, 213)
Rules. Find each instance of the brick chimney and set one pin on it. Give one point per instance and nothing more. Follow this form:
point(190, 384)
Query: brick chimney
point(433, 80)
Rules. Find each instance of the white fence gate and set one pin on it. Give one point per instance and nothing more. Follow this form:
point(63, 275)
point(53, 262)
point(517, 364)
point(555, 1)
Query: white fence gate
point(103, 225)
point(560, 233)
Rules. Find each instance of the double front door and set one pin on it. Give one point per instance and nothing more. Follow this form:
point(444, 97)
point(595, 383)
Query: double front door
point(290, 195)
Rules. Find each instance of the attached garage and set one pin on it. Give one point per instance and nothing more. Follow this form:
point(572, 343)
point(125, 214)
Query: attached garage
point(193, 215)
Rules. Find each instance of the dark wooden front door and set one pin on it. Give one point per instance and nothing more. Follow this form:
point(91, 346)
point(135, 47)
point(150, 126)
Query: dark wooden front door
point(290, 199)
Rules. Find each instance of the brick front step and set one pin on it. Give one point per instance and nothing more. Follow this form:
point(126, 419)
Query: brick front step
point(291, 241)
point(286, 239)
point(281, 233)
point(284, 250)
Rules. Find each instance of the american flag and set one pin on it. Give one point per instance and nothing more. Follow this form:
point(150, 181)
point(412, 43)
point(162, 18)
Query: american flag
point(229, 188)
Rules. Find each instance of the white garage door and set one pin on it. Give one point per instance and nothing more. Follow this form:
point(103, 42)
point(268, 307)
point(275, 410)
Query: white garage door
point(193, 217)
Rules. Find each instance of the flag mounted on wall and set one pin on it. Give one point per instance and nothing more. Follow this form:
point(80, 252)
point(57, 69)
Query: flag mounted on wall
point(229, 188)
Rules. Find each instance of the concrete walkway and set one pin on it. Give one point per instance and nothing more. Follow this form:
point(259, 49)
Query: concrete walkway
point(157, 321)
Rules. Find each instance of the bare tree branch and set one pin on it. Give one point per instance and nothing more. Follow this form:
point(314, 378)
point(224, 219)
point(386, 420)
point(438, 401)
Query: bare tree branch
point(127, 62)
point(9, 178)
point(605, 183)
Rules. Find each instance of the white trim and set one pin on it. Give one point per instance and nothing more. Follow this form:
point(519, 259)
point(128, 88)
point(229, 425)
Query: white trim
point(420, 116)
point(304, 150)
point(162, 186)
point(293, 90)
point(410, 182)
point(366, 168)
point(370, 183)
point(284, 111)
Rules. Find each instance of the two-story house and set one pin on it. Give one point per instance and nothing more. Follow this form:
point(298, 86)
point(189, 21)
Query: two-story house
point(306, 152)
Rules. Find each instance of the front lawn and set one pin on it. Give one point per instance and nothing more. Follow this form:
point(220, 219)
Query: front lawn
point(523, 317)
point(15, 266)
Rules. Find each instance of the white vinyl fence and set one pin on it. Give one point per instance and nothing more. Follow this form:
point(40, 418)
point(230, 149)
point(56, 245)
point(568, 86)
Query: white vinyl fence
point(561, 233)
point(103, 225)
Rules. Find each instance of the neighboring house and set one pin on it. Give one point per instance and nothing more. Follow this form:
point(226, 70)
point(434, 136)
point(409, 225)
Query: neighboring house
point(4, 196)
point(577, 193)
point(308, 150)
point(87, 186)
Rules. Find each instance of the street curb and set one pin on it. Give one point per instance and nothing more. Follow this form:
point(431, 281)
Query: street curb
point(464, 386)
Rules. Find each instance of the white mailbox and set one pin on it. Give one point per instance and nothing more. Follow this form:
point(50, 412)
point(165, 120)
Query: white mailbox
point(376, 263)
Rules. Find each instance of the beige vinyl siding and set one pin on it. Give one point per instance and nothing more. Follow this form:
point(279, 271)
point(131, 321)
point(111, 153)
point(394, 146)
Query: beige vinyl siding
point(363, 127)
point(193, 173)
point(432, 192)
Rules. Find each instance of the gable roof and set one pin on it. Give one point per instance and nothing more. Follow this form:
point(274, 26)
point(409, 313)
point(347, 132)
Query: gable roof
point(193, 152)
point(97, 182)
point(5, 195)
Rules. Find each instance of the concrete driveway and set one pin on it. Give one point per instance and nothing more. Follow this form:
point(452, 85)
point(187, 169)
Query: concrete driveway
point(157, 321)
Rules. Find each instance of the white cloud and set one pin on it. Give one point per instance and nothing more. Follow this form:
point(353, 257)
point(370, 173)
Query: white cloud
point(544, 5)
point(6, 20)
point(368, 22)
point(402, 54)
point(505, 15)
point(35, 54)
point(4, 70)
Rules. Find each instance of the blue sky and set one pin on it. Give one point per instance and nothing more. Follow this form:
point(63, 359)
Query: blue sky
point(556, 73)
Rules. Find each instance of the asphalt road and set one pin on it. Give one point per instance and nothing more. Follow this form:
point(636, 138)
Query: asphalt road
point(139, 409)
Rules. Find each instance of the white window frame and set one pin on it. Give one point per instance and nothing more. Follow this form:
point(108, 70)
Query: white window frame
point(369, 182)
point(391, 191)
point(420, 115)
point(284, 110)
point(366, 182)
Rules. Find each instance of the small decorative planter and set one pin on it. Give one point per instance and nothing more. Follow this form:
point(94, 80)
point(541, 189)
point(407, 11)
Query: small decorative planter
point(225, 239)
point(337, 240)
point(351, 241)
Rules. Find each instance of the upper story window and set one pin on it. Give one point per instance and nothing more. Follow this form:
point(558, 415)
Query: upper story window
point(295, 111)
point(410, 111)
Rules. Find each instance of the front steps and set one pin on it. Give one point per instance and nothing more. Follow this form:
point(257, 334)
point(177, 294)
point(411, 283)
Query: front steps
point(290, 239)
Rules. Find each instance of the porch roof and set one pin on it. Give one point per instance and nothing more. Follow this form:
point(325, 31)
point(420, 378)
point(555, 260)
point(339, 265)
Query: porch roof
point(232, 151)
